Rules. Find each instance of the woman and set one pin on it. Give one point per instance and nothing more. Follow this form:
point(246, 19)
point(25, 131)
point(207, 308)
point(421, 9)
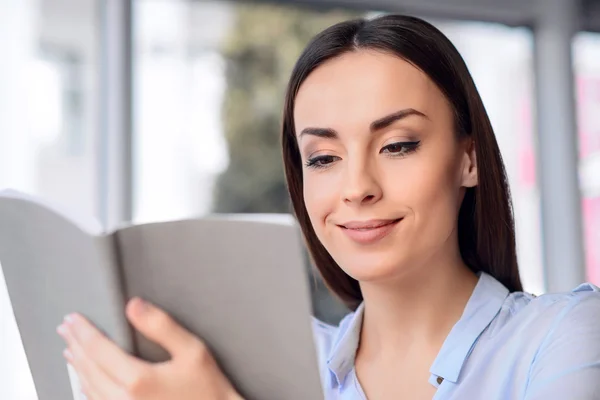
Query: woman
point(398, 184)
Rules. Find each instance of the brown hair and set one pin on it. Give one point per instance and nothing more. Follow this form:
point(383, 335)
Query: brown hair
point(485, 223)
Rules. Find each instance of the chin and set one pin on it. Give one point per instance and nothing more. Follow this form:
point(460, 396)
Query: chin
point(371, 267)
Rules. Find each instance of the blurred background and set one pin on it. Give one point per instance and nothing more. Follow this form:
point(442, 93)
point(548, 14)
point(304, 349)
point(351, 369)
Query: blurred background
point(148, 110)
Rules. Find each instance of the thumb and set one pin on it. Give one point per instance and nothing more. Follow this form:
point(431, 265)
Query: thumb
point(160, 327)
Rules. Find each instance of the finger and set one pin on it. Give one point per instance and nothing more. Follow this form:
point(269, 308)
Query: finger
point(88, 393)
point(95, 383)
point(109, 357)
point(158, 326)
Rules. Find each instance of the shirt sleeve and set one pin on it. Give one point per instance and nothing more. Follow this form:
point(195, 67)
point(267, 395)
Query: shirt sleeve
point(567, 364)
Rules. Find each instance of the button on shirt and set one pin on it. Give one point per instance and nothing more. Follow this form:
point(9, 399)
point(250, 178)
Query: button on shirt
point(505, 346)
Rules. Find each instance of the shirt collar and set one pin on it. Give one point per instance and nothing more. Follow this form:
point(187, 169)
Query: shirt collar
point(341, 357)
point(483, 306)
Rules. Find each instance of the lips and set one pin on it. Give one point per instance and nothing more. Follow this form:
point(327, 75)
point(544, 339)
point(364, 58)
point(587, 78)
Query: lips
point(371, 224)
point(369, 232)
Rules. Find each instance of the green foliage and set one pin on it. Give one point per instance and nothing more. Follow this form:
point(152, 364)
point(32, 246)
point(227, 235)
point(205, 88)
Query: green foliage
point(260, 53)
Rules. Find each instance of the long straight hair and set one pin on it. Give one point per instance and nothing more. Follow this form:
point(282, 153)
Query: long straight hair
point(486, 231)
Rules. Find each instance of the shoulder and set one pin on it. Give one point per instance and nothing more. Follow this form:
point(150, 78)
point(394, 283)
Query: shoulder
point(567, 358)
point(557, 308)
point(538, 322)
point(572, 313)
point(565, 322)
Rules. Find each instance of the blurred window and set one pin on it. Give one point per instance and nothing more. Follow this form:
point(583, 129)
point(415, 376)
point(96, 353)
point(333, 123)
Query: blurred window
point(586, 48)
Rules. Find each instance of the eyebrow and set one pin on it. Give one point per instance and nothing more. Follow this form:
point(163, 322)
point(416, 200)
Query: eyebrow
point(377, 125)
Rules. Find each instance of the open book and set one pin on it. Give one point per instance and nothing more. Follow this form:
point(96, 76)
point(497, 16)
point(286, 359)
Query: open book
point(238, 284)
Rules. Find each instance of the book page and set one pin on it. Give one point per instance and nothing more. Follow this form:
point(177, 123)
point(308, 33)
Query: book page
point(242, 287)
point(52, 268)
point(75, 384)
point(85, 222)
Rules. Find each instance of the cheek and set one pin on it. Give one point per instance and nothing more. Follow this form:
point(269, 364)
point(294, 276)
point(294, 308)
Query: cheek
point(429, 189)
point(319, 197)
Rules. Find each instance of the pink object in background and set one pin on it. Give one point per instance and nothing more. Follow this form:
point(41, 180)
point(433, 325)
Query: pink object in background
point(591, 217)
point(588, 106)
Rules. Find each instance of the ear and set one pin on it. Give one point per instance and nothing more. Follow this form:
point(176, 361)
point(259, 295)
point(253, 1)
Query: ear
point(469, 166)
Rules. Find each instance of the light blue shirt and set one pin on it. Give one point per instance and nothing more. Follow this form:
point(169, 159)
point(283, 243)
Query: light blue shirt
point(505, 346)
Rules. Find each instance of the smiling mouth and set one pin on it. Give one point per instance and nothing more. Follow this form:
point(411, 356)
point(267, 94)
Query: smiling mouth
point(369, 232)
point(366, 226)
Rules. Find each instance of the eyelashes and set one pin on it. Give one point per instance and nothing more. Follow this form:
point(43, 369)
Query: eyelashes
point(400, 148)
point(319, 162)
point(393, 150)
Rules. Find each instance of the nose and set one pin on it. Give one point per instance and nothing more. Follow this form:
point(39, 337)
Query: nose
point(361, 186)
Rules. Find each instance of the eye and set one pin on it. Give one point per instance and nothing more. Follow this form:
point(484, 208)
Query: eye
point(320, 161)
point(400, 148)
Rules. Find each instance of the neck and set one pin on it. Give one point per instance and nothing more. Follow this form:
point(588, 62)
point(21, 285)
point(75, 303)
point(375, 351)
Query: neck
point(417, 311)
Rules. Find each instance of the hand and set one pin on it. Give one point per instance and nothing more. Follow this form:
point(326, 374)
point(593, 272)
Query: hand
point(107, 372)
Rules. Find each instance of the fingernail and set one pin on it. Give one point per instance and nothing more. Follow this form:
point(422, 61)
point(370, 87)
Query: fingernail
point(61, 330)
point(142, 306)
point(67, 354)
point(69, 319)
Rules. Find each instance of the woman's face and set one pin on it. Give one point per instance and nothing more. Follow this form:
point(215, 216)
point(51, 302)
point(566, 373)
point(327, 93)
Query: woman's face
point(383, 170)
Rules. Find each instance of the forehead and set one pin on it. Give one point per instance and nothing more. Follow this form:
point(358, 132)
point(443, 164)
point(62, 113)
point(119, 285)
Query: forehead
point(362, 86)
